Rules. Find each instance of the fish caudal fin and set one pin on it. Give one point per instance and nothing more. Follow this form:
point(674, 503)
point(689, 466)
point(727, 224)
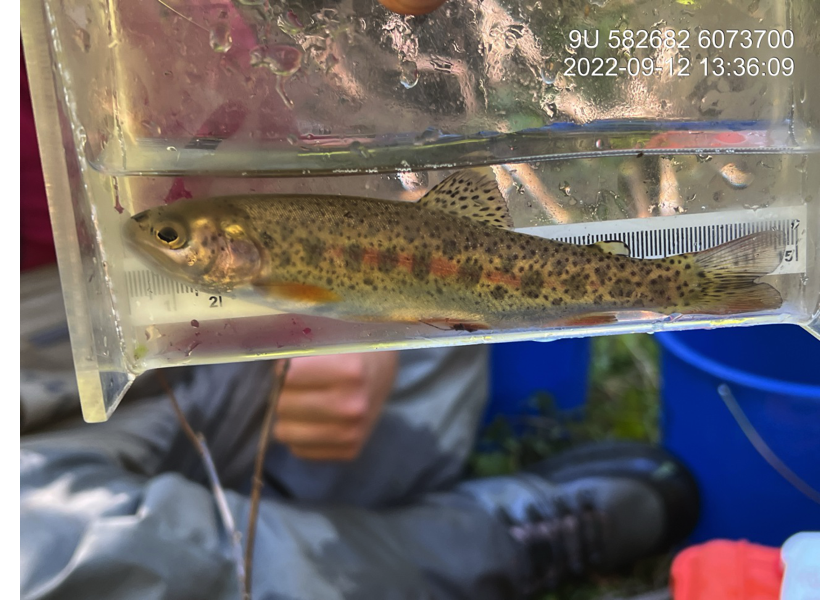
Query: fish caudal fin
point(726, 275)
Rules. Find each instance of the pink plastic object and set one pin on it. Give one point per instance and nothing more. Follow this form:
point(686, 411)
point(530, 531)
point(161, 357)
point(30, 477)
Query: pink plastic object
point(727, 570)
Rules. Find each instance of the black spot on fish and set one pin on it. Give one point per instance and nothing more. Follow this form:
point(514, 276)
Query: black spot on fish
point(622, 289)
point(284, 258)
point(531, 284)
point(313, 251)
point(422, 266)
point(498, 293)
point(388, 260)
point(576, 285)
point(469, 273)
point(354, 254)
point(508, 265)
point(449, 248)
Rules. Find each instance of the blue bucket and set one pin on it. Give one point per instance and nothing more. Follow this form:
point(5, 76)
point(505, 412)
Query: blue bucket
point(520, 370)
point(772, 374)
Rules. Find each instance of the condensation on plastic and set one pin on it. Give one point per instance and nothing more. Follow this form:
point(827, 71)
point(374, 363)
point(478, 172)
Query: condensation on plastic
point(142, 103)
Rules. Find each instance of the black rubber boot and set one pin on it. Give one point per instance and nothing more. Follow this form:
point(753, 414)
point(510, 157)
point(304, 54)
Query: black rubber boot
point(595, 508)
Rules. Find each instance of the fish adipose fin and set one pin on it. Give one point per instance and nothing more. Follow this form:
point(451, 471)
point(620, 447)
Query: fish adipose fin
point(613, 247)
point(727, 273)
point(471, 193)
point(298, 292)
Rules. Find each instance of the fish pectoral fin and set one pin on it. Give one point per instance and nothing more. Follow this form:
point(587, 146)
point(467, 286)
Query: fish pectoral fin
point(613, 247)
point(455, 324)
point(297, 292)
point(584, 320)
point(471, 193)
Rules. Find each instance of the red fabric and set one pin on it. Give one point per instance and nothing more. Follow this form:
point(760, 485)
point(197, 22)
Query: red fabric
point(729, 570)
point(36, 240)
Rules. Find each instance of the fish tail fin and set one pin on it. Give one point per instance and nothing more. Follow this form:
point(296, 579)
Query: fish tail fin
point(726, 275)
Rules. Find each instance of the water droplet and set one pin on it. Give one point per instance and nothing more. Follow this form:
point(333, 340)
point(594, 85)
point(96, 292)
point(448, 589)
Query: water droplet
point(82, 38)
point(150, 126)
point(281, 60)
point(428, 136)
point(566, 188)
point(704, 158)
point(409, 75)
point(413, 181)
point(171, 148)
point(737, 178)
point(547, 75)
point(441, 64)
point(280, 87)
point(598, 144)
point(194, 323)
point(510, 41)
point(359, 149)
point(220, 38)
point(292, 139)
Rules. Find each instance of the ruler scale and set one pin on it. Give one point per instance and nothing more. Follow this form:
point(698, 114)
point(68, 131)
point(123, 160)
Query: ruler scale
point(156, 299)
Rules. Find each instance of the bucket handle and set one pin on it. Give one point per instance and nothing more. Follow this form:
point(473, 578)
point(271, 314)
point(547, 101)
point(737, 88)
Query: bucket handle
point(761, 446)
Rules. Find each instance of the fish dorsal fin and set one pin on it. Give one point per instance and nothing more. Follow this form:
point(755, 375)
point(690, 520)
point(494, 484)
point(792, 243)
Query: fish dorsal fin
point(471, 193)
point(613, 247)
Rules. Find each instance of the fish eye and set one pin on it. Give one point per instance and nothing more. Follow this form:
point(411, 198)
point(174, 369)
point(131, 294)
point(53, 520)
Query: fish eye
point(172, 235)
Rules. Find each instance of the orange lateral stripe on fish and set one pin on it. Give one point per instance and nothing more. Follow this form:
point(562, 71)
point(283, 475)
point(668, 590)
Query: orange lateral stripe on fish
point(450, 258)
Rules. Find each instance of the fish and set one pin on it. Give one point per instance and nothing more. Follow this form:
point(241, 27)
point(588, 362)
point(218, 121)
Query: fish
point(450, 260)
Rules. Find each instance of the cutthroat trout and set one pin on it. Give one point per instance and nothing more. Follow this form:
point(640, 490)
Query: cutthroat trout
point(449, 260)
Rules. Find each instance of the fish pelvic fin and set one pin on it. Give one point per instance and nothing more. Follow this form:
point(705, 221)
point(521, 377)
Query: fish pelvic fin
point(297, 292)
point(471, 193)
point(726, 275)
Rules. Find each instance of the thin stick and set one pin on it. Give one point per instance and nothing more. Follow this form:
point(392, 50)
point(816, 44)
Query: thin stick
point(200, 445)
point(256, 487)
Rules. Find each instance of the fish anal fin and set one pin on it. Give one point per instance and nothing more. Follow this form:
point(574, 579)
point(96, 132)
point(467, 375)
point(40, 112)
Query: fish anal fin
point(585, 320)
point(298, 292)
point(471, 193)
point(456, 324)
point(616, 247)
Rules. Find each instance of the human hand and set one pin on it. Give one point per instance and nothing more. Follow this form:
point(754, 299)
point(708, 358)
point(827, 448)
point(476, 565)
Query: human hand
point(411, 7)
point(329, 404)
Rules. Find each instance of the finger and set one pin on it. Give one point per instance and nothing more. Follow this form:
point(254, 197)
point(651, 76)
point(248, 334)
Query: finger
point(335, 405)
point(326, 453)
point(411, 7)
point(314, 435)
point(319, 372)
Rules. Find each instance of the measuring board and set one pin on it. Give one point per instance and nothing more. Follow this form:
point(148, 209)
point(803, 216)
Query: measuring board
point(157, 299)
